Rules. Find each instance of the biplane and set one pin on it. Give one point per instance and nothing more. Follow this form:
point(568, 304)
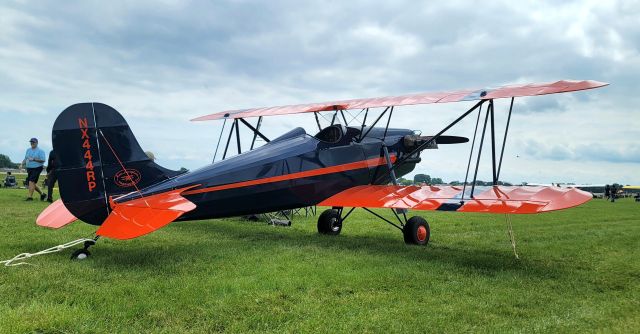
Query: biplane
point(106, 179)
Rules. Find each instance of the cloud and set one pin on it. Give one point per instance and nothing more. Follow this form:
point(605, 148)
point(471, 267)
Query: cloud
point(583, 152)
point(162, 63)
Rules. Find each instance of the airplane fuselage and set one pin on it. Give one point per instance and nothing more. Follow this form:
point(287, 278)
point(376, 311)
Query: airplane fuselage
point(292, 171)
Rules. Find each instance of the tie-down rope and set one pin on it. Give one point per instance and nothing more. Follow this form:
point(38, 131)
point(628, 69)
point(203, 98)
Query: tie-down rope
point(24, 256)
point(512, 236)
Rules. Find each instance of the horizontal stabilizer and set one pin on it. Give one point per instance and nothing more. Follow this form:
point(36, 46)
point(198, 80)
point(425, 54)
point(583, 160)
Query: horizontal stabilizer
point(496, 199)
point(140, 216)
point(55, 215)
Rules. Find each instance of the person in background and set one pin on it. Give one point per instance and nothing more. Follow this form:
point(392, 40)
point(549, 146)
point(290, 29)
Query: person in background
point(614, 192)
point(10, 180)
point(34, 159)
point(51, 176)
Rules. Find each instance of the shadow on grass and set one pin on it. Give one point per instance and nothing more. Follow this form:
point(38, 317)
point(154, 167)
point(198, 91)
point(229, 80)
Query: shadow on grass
point(167, 255)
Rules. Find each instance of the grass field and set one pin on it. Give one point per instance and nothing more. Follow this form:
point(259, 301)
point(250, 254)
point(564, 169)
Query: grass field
point(579, 272)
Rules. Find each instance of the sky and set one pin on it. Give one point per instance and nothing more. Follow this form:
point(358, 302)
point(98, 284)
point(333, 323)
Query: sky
point(162, 63)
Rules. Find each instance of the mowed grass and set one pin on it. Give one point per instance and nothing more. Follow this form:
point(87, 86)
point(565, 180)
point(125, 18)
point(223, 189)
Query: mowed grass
point(579, 272)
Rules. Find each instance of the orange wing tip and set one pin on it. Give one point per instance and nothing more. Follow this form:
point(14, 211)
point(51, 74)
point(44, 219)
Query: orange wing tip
point(55, 216)
point(141, 216)
point(499, 199)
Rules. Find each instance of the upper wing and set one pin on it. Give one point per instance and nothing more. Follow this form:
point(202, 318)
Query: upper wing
point(421, 98)
point(496, 199)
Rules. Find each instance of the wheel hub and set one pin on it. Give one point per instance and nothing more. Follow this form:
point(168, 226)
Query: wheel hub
point(334, 224)
point(421, 233)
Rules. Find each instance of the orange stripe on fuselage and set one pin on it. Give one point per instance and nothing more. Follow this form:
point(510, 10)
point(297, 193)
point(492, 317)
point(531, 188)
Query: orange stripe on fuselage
point(309, 173)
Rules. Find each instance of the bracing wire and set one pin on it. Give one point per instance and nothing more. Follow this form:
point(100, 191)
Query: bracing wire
point(123, 168)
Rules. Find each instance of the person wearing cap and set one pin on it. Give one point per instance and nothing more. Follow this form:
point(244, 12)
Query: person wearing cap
point(34, 159)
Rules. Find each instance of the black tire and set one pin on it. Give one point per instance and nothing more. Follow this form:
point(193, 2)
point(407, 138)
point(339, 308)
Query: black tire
point(80, 254)
point(329, 222)
point(416, 231)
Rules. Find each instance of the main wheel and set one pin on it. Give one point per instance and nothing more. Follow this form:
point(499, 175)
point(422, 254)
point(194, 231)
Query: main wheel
point(416, 231)
point(80, 254)
point(329, 222)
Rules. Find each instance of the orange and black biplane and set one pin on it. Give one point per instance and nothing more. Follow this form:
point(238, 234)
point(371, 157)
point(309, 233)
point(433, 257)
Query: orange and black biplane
point(106, 179)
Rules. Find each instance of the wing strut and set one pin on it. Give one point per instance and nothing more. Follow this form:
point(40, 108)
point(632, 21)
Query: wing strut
point(489, 116)
point(238, 137)
point(317, 121)
point(493, 145)
point(495, 169)
point(473, 143)
point(504, 139)
point(362, 136)
point(484, 130)
point(219, 139)
point(256, 133)
point(403, 159)
point(235, 127)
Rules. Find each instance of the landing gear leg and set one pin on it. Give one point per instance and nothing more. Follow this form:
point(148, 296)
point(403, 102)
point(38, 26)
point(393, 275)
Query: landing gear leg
point(84, 253)
point(416, 230)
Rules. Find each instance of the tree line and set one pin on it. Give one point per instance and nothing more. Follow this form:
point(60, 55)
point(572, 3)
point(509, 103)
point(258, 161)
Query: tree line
point(5, 162)
point(427, 179)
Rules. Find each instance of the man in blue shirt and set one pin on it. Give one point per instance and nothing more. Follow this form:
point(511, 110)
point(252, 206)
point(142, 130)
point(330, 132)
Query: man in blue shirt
point(34, 158)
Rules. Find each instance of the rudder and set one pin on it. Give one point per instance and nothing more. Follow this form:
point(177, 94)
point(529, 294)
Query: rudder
point(93, 143)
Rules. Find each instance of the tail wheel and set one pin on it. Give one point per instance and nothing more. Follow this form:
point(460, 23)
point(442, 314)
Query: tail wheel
point(416, 231)
point(330, 222)
point(80, 254)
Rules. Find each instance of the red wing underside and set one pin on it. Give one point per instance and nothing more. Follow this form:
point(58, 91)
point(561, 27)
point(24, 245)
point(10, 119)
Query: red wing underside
point(55, 215)
point(562, 86)
point(498, 199)
point(138, 217)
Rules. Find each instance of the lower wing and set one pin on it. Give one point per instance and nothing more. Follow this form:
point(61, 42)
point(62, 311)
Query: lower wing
point(494, 199)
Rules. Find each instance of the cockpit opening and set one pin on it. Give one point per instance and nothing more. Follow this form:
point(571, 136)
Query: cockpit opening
point(331, 134)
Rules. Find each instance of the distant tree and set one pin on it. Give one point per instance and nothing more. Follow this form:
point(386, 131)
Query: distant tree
point(436, 180)
point(404, 181)
point(420, 178)
point(455, 183)
point(5, 162)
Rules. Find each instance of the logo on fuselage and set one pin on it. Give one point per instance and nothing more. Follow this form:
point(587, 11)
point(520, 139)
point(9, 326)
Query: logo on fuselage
point(127, 178)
